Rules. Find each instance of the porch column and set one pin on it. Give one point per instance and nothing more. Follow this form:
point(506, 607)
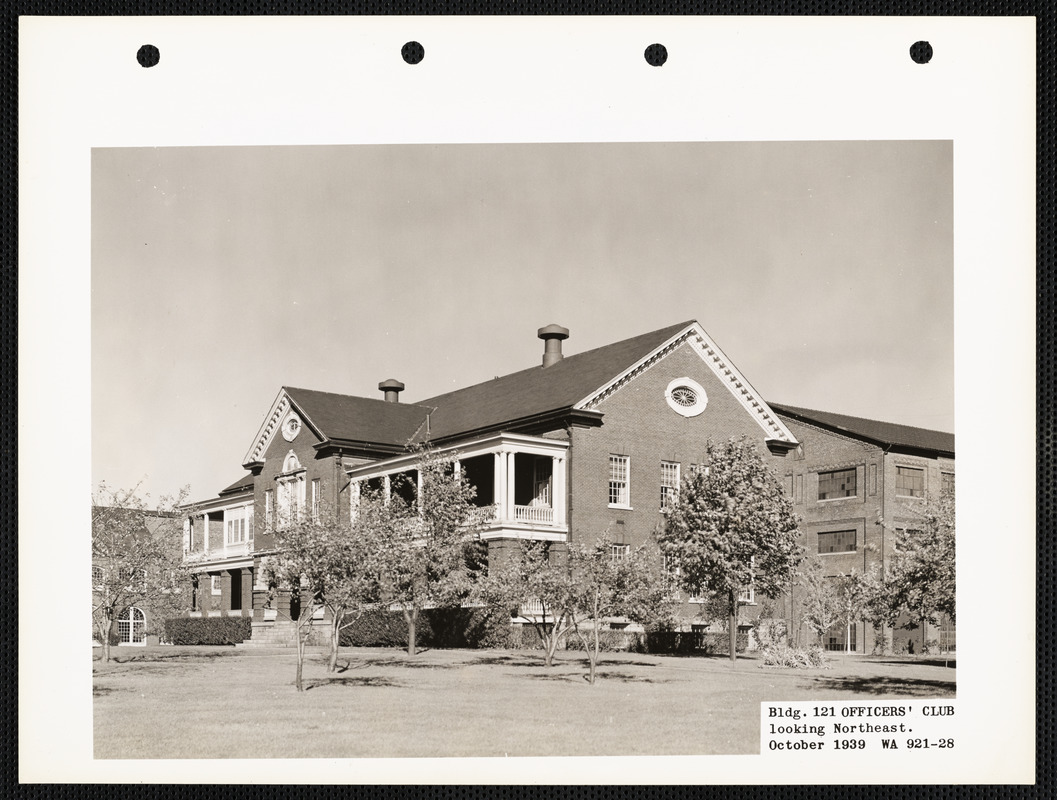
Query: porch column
point(205, 532)
point(499, 485)
point(225, 592)
point(456, 469)
point(558, 489)
point(418, 489)
point(387, 489)
point(511, 512)
point(247, 591)
point(354, 500)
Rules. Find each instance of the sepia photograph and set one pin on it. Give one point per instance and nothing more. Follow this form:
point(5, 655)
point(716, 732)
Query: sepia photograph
point(399, 463)
point(579, 431)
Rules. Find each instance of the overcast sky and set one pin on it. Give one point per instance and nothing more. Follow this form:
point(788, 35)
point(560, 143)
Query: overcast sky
point(823, 270)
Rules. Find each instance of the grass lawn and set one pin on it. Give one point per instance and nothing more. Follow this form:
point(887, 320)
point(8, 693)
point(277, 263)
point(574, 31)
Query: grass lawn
point(199, 702)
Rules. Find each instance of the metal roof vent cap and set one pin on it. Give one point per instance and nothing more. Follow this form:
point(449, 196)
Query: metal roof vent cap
point(392, 389)
point(552, 336)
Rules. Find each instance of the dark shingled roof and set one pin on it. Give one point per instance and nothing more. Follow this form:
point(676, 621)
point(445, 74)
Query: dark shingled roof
point(886, 434)
point(359, 419)
point(242, 484)
point(521, 395)
point(539, 390)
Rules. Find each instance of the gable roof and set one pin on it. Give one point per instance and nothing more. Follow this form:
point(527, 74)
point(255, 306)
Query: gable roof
point(540, 390)
point(885, 434)
point(241, 485)
point(358, 419)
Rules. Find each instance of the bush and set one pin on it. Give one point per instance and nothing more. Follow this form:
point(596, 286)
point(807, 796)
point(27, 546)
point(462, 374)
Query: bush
point(207, 630)
point(693, 642)
point(441, 628)
point(608, 641)
point(782, 655)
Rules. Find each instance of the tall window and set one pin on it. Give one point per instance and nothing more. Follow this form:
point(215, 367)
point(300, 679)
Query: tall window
point(237, 525)
point(315, 499)
point(619, 489)
point(618, 552)
point(836, 542)
point(947, 481)
point(910, 482)
point(838, 483)
point(269, 507)
point(97, 576)
point(669, 483)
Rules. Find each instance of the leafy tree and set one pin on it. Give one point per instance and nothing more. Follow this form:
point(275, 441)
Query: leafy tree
point(919, 579)
point(425, 547)
point(608, 582)
point(821, 605)
point(732, 526)
point(535, 574)
point(853, 596)
point(137, 557)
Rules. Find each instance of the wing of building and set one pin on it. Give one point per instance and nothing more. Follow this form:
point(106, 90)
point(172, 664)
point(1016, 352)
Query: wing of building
point(566, 449)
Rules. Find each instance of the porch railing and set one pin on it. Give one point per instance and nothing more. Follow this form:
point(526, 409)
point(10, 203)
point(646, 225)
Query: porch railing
point(539, 515)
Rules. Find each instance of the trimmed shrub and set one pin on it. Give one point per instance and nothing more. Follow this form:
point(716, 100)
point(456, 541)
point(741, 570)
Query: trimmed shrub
point(207, 630)
point(782, 655)
point(692, 643)
point(440, 628)
point(608, 641)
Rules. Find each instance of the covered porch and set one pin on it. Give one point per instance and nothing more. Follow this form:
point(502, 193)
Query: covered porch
point(524, 478)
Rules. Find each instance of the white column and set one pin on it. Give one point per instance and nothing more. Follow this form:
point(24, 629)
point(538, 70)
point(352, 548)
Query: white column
point(187, 535)
point(511, 514)
point(499, 485)
point(418, 490)
point(558, 489)
point(387, 488)
point(205, 532)
point(354, 500)
point(456, 469)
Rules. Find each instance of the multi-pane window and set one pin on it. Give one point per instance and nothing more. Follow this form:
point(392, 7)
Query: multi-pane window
point(269, 507)
point(315, 499)
point(238, 525)
point(214, 584)
point(947, 481)
point(618, 552)
point(910, 482)
point(619, 490)
point(836, 542)
point(97, 576)
point(669, 483)
point(747, 595)
point(838, 483)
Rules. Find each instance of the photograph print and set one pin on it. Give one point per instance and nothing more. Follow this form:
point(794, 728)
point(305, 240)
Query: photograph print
point(540, 449)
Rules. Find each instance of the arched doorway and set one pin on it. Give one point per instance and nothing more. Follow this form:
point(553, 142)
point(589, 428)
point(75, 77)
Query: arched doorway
point(131, 627)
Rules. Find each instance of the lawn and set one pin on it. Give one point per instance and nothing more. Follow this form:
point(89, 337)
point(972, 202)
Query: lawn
point(184, 702)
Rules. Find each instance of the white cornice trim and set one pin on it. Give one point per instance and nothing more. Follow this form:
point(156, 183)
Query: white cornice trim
point(721, 366)
point(272, 422)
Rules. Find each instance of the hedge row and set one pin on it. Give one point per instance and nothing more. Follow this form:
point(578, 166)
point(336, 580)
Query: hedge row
point(441, 628)
point(207, 630)
point(692, 642)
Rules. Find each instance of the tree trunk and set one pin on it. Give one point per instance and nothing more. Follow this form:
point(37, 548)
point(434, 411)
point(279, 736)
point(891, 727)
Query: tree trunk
point(106, 637)
point(733, 627)
point(300, 656)
point(335, 636)
point(412, 618)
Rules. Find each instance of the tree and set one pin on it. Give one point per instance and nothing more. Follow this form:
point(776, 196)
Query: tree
point(578, 588)
point(731, 527)
point(920, 577)
point(323, 564)
point(137, 557)
point(853, 596)
point(611, 581)
point(535, 575)
point(821, 604)
point(425, 539)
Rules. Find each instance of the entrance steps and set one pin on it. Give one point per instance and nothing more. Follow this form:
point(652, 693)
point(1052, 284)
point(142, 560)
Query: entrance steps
point(279, 634)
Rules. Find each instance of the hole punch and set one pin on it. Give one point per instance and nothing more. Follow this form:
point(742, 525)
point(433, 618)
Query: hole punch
point(413, 52)
point(148, 56)
point(656, 55)
point(921, 52)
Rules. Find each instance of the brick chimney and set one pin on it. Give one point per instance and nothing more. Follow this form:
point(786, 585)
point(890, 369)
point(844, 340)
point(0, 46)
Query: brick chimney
point(552, 336)
point(392, 389)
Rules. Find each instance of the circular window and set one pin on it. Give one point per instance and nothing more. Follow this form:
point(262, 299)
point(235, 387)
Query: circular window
point(686, 397)
point(291, 427)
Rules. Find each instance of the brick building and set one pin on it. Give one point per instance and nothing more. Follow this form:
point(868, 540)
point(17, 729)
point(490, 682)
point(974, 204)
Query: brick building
point(567, 449)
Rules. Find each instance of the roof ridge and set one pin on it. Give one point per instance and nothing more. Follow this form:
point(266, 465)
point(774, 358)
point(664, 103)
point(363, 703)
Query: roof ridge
point(779, 407)
point(350, 396)
point(539, 367)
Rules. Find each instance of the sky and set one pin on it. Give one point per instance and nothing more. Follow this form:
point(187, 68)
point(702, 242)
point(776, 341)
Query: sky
point(824, 270)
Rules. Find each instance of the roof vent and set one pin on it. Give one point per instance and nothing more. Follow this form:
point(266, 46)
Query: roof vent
point(392, 389)
point(552, 336)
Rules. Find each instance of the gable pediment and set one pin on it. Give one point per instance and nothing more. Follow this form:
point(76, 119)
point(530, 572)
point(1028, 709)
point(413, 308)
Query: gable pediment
point(718, 364)
point(284, 419)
